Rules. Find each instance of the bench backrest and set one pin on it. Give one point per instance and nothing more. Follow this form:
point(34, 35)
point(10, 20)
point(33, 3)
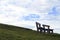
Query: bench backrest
point(45, 26)
point(38, 25)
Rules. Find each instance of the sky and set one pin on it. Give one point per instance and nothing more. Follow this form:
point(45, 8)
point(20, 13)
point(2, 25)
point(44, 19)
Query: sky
point(25, 13)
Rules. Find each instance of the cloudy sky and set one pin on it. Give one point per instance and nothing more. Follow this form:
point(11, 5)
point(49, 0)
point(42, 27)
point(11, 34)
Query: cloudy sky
point(25, 13)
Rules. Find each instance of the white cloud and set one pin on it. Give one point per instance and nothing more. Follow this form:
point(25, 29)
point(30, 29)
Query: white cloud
point(12, 11)
point(37, 5)
point(11, 14)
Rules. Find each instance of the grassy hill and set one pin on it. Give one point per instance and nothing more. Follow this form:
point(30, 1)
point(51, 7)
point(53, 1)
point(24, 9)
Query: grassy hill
point(9, 32)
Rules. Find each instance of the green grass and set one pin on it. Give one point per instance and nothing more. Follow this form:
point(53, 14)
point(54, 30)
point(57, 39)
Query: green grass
point(9, 32)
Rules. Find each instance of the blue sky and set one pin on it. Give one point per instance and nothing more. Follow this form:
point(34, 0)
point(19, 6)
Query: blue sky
point(26, 12)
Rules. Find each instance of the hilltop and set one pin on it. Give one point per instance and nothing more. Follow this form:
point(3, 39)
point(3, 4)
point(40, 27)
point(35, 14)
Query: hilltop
point(10, 32)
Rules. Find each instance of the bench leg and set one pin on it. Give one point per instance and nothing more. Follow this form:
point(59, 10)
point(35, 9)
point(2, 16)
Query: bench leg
point(41, 30)
point(44, 31)
point(48, 31)
point(52, 31)
point(37, 30)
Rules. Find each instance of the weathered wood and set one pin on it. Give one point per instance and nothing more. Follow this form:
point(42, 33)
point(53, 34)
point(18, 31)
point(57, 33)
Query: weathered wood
point(41, 29)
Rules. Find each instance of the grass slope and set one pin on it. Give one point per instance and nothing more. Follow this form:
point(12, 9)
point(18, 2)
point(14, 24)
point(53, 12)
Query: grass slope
point(9, 32)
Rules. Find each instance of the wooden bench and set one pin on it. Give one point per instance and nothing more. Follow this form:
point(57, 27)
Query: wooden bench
point(43, 29)
point(48, 30)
